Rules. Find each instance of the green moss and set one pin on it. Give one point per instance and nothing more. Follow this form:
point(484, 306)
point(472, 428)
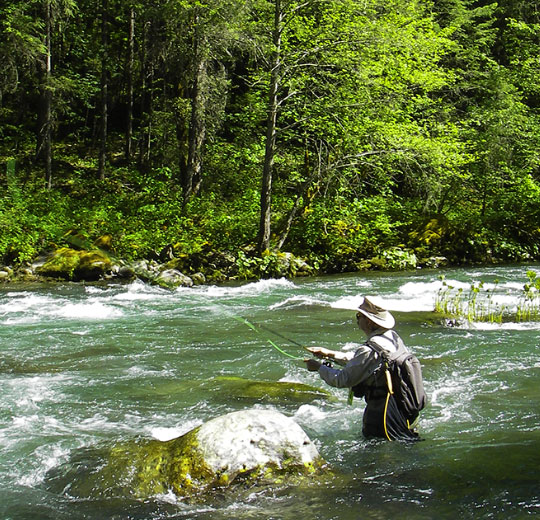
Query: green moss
point(62, 264)
point(92, 265)
point(270, 391)
point(144, 468)
point(151, 467)
point(71, 264)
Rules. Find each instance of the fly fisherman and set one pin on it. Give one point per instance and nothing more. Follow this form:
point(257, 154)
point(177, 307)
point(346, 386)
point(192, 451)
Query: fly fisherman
point(364, 372)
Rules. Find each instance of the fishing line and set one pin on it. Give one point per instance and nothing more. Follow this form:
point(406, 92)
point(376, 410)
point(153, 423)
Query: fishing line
point(279, 349)
point(280, 335)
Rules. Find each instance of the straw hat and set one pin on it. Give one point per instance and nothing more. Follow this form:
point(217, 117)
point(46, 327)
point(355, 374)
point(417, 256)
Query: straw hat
point(373, 309)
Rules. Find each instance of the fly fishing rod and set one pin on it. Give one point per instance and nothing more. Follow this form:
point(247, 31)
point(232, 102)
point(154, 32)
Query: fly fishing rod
point(279, 349)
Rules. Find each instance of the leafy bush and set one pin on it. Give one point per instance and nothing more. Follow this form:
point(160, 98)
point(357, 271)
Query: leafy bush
point(30, 221)
point(347, 232)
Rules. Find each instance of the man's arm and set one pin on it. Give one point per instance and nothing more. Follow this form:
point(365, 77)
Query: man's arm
point(341, 358)
point(358, 370)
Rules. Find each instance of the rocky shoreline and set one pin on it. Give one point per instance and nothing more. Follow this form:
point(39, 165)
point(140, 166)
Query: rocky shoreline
point(67, 264)
point(169, 269)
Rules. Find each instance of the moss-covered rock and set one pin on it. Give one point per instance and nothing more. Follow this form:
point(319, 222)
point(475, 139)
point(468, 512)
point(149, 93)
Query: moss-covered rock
point(71, 264)
point(61, 265)
point(104, 242)
point(272, 392)
point(244, 448)
point(93, 265)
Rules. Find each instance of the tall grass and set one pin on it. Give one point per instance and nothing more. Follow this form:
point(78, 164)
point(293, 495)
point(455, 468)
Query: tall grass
point(478, 303)
point(529, 306)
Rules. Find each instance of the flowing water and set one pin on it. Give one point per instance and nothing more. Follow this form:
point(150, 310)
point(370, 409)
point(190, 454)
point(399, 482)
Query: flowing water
point(85, 365)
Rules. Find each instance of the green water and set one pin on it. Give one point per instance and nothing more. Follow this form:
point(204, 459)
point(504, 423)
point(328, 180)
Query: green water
point(86, 366)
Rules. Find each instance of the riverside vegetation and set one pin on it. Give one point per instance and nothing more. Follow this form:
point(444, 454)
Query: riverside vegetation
point(228, 139)
point(480, 303)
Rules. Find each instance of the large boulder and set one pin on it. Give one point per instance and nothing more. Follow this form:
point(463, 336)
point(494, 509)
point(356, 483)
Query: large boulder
point(72, 264)
point(244, 447)
point(171, 279)
point(145, 270)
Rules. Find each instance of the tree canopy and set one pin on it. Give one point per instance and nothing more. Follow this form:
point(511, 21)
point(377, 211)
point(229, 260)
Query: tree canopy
point(340, 130)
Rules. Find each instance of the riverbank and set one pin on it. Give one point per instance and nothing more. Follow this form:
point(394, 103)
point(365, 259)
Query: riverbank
point(167, 270)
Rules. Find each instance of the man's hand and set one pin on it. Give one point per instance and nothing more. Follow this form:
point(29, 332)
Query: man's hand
point(321, 352)
point(312, 364)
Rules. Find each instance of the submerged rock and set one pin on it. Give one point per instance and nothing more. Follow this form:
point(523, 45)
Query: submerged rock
point(276, 392)
point(245, 447)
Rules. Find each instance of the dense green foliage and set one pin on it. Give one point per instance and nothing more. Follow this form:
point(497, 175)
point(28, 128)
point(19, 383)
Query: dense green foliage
point(387, 130)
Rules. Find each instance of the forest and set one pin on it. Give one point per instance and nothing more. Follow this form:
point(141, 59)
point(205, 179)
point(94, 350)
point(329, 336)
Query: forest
point(354, 134)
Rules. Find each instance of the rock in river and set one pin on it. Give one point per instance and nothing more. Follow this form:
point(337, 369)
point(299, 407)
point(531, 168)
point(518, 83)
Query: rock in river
point(244, 447)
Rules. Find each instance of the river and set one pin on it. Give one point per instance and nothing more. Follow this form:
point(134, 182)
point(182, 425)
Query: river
point(83, 365)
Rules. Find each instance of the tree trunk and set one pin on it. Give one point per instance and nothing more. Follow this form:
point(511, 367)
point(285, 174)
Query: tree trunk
point(192, 177)
point(130, 68)
point(48, 103)
point(271, 122)
point(104, 92)
point(44, 145)
point(182, 137)
point(302, 196)
point(147, 74)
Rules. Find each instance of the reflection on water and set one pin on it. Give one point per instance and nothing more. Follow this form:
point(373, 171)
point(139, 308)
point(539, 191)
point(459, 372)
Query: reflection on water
point(86, 365)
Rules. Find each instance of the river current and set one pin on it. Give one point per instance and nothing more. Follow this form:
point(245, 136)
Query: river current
point(83, 365)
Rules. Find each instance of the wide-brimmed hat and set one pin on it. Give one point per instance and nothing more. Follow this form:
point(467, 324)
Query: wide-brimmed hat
point(373, 309)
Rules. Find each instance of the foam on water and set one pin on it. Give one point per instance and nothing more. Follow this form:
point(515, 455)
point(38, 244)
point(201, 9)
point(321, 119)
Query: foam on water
point(139, 291)
point(87, 311)
point(422, 296)
point(412, 296)
point(44, 458)
point(164, 433)
point(248, 289)
point(487, 326)
point(97, 423)
point(339, 417)
point(23, 308)
point(140, 372)
point(347, 303)
point(28, 393)
point(297, 301)
point(451, 399)
point(415, 296)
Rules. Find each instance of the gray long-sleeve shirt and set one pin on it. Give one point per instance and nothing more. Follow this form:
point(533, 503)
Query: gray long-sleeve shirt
point(362, 364)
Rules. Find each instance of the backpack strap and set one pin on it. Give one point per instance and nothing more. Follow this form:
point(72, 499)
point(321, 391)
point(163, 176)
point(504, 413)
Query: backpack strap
point(385, 354)
point(386, 357)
